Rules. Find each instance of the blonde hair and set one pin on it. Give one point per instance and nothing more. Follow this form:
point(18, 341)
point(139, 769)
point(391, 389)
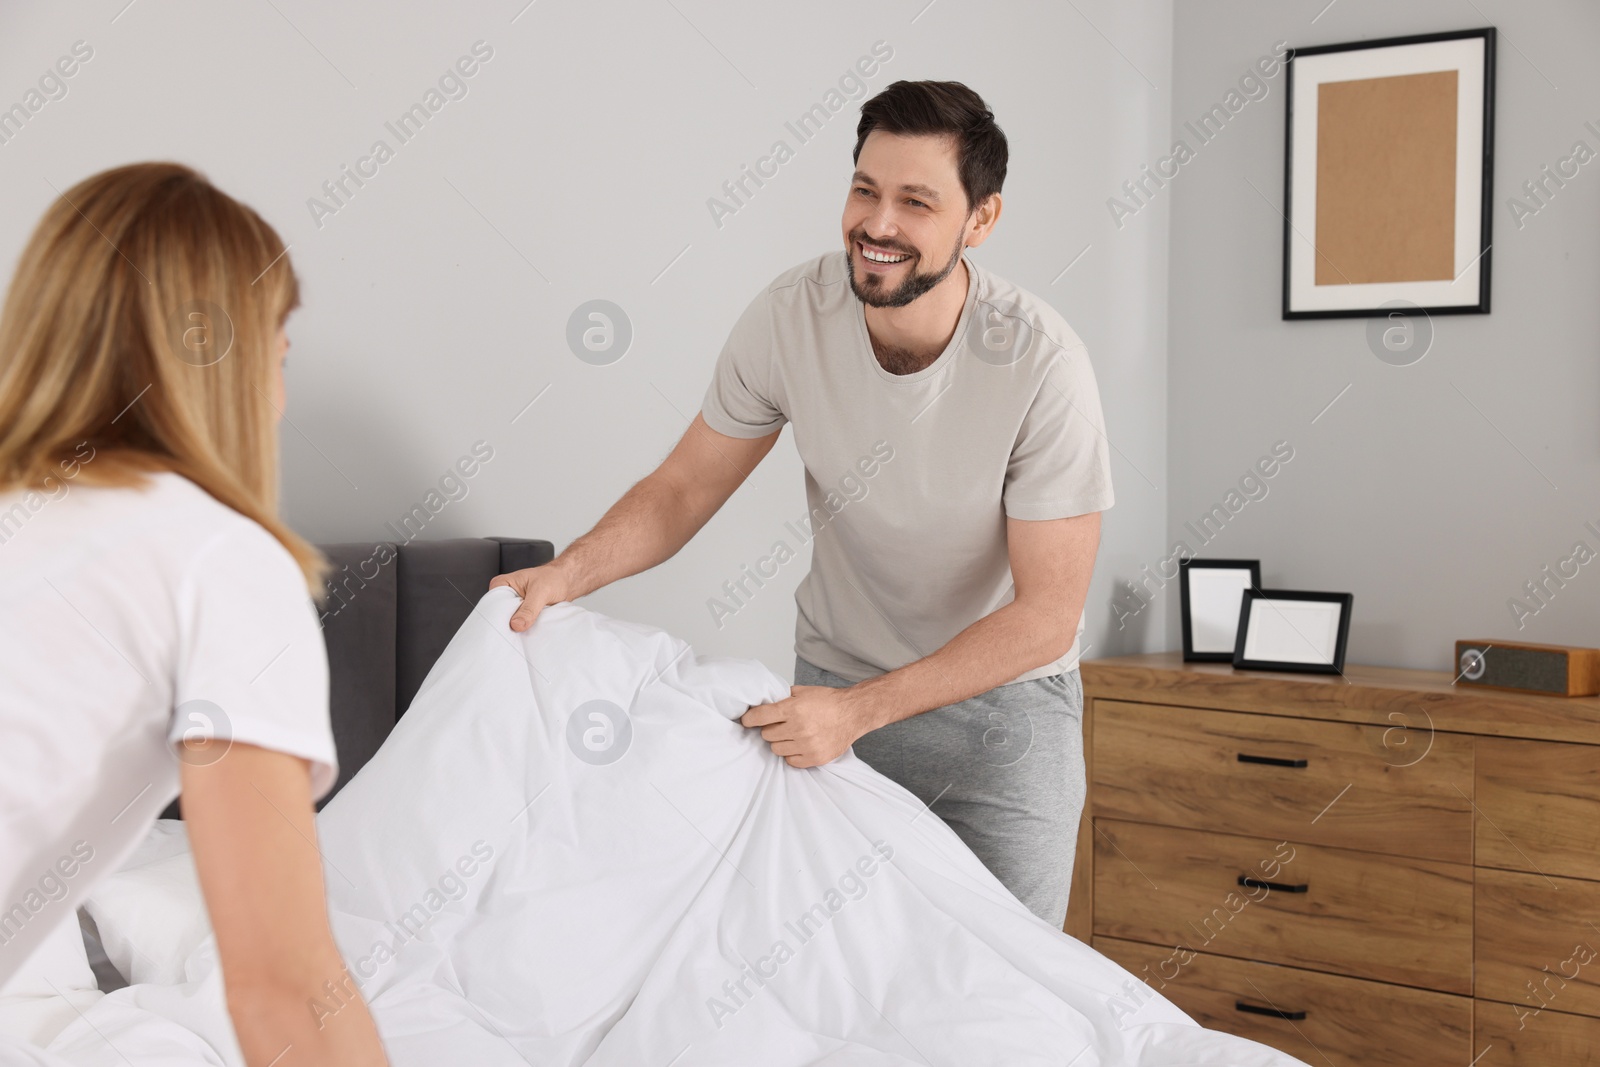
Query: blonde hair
point(141, 324)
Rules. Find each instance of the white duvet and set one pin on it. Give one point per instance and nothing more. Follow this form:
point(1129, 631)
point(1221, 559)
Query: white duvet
point(570, 852)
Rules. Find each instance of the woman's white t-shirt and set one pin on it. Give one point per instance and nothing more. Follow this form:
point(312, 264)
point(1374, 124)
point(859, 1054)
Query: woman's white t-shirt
point(132, 623)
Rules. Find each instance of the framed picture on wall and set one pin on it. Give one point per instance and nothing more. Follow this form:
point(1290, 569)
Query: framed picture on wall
point(1293, 630)
point(1210, 592)
point(1388, 171)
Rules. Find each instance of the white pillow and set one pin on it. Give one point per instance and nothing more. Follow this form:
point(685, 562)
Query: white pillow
point(51, 987)
point(150, 913)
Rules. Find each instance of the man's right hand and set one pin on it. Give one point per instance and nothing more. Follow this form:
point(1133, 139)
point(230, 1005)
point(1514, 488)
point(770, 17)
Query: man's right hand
point(538, 587)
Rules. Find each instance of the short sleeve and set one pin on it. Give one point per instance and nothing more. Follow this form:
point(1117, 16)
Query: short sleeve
point(1060, 464)
point(252, 667)
point(740, 402)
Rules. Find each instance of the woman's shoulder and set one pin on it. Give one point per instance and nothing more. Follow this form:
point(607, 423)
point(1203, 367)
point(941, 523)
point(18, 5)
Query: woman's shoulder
point(216, 537)
point(65, 519)
point(167, 520)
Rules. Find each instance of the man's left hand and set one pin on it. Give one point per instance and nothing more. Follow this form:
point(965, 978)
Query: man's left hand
point(814, 725)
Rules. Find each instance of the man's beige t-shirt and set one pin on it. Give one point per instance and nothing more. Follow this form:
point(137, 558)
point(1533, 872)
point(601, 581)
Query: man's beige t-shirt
point(910, 478)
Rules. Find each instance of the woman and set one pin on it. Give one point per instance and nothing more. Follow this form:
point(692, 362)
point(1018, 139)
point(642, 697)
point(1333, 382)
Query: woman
point(156, 633)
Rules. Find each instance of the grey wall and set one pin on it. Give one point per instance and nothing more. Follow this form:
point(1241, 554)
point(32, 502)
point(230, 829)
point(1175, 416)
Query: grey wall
point(1434, 491)
point(578, 166)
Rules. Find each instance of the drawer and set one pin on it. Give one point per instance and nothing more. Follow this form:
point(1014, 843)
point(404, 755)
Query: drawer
point(1387, 918)
point(1325, 783)
point(1508, 1037)
point(1538, 941)
point(1539, 807)
point(1346, 1022)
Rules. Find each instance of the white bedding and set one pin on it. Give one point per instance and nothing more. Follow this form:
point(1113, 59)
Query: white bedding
point(513, 884)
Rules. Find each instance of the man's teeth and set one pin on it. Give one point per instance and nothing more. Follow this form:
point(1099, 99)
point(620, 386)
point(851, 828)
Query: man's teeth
point(878, 257)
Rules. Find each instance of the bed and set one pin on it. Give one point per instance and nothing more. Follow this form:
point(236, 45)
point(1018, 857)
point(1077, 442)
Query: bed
point(569, 851)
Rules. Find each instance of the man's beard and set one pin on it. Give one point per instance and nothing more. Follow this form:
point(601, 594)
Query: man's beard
point(914, 285)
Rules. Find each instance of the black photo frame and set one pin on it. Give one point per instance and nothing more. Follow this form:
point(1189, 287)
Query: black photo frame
point(1385, 299)
point(1253, 613)
point(1212, 650)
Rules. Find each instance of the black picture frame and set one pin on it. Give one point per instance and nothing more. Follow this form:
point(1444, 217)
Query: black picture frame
point(1486, 214)
point(1346, 602)
point(1185, 566)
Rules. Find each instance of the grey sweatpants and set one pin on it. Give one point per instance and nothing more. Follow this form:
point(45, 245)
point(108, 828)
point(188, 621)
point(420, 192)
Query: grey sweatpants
point(1004, 769)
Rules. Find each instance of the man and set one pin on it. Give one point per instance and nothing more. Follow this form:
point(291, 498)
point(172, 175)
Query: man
point(938, 628)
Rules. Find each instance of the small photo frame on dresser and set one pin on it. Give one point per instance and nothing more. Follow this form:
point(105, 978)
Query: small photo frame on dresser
point(1211, 592)
point(1293, 630)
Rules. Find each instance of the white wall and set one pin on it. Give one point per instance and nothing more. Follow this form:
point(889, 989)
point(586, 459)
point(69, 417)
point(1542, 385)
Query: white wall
point(1434, 492)
point(578, 166)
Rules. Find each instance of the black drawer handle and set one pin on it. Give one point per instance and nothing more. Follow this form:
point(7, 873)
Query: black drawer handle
point(1292, 1016)
point(1280, 887)
point(1272, 761)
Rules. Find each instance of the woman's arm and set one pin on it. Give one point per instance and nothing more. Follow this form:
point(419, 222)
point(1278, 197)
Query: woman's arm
point(251, 826)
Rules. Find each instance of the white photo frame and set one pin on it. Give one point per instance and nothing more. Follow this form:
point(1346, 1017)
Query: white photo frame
point(1211, 593)
point(1293, 630)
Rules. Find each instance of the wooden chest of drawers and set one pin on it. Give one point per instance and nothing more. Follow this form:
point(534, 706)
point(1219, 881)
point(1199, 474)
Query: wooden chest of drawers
point(1379, 868)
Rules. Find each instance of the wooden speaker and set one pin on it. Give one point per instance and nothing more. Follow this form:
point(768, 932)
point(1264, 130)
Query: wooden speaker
point(1552, 669)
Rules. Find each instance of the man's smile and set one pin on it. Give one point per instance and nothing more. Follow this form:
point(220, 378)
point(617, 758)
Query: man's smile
point(881, 259)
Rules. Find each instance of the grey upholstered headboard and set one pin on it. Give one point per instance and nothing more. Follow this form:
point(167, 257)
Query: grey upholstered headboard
point(385, 624)
point(390, 611)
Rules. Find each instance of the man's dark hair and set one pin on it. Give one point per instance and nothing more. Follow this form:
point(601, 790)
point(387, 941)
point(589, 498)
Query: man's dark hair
point(943, 108)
